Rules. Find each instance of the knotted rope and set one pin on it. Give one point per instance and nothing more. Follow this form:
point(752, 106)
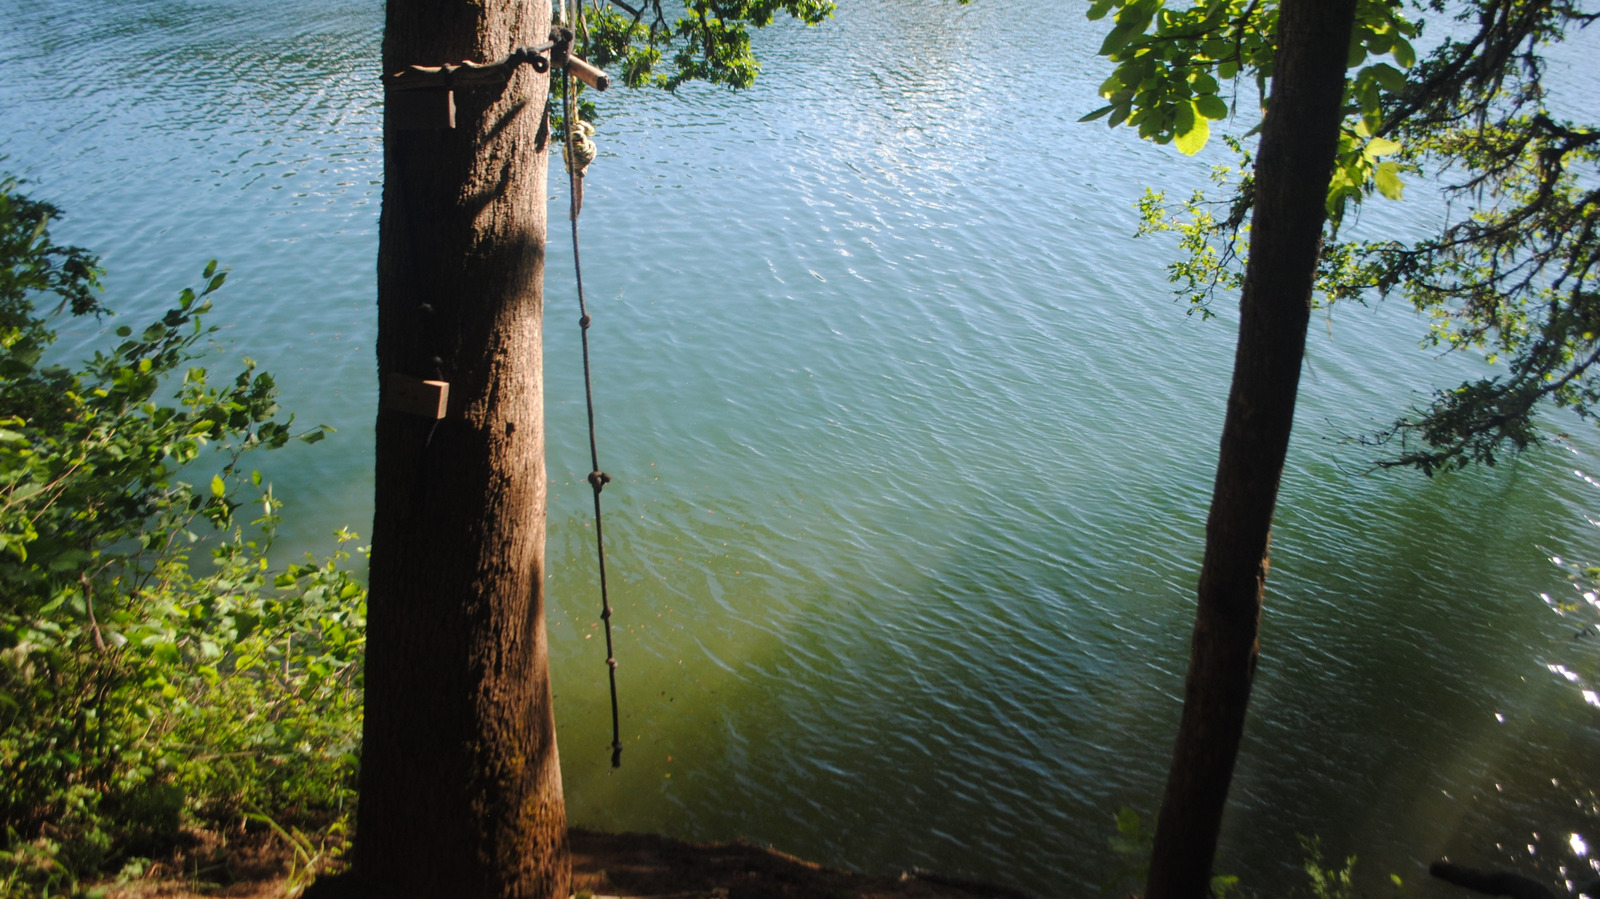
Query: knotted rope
point(578, 153)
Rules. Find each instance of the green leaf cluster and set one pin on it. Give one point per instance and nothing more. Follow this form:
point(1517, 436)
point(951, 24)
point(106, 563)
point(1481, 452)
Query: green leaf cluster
point(708, 40)
point(1171, 64)
point(138, 689)
point(34, 265)
point(1178, 70)
point(1212, 235)
point(1327, 882)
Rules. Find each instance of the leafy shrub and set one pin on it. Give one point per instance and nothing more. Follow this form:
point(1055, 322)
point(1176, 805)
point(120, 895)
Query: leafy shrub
point(1326, 881)
point(1133, 843)
point(139, 692)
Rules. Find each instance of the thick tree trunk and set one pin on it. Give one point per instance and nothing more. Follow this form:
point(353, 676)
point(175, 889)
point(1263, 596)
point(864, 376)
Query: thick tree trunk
point(1298, 141)
point(460, 783)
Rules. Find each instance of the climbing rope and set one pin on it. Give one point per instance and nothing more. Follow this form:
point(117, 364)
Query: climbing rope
point(578, 153)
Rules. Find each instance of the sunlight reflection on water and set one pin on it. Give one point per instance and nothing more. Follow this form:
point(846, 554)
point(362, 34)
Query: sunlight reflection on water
point(912, 446)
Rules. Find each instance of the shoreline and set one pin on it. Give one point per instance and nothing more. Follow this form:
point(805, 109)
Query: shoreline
point(604, 866)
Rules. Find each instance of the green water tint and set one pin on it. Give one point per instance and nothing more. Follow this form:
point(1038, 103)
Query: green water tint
point(911, 447)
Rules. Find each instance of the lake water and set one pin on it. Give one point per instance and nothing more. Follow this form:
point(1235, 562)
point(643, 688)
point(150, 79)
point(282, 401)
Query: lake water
point(912, 446)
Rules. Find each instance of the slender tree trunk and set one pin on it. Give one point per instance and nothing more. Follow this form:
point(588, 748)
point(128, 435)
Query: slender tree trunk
point(460, 782)
point(1298, 141)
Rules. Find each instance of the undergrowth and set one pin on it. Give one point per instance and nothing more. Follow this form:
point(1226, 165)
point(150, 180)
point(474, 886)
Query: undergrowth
point(1133, 842)
point(157, 674)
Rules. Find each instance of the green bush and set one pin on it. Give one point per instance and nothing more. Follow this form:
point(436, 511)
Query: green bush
point(141, 691)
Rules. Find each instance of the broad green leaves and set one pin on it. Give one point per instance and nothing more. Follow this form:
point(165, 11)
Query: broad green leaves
point(1190, 129)
point(1175, 68)
point(1385, 174)
point(1386, 177)
point(1360, 168)
point(1171, 65)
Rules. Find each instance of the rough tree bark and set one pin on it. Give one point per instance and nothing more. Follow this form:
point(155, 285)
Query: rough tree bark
point(1298, 140)
point(460, 784)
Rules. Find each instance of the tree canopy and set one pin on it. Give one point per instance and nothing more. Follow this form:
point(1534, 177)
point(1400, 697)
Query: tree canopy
point(1511, 274)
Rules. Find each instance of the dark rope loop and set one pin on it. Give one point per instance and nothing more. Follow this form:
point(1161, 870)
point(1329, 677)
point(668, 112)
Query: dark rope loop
point(420, 77)
point(534, 56)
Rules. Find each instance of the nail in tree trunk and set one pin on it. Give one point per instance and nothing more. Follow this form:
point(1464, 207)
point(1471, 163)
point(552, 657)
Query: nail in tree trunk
point(1298, 140)
point(460, 787)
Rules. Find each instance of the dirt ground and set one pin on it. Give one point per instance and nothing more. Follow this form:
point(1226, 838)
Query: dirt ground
point(603, 865)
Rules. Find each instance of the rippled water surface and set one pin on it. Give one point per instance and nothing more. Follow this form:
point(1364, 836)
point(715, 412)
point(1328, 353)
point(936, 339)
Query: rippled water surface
point(912, 446)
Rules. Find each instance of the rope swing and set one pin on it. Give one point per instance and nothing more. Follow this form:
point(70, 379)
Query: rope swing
point(578, 153)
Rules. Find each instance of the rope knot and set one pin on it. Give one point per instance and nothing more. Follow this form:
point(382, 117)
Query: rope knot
point(584, 322)
point(598, 480)
point(580, 149)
